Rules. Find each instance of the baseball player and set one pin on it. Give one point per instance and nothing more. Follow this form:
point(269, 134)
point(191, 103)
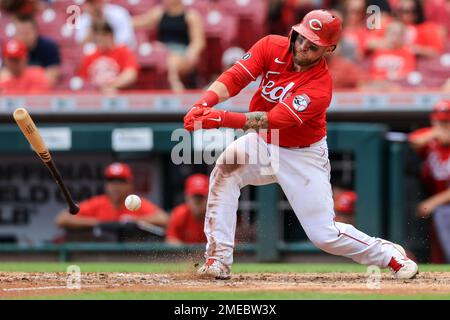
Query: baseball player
point(291, 101)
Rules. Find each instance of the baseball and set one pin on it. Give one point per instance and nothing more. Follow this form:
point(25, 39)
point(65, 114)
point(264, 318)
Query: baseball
point(133, 202)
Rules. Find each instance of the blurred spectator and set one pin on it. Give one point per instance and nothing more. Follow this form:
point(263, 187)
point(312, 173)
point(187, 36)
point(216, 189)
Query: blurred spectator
point(274, 18)
point(19, 8)
point(110, 207)
point(187, 220)
point(42, 51)
point(375, 37)
point(110, 67)
point(345, 73)
point(15, 76)
point(344, 206)
point(181, 30)
point(363, 29)
point(293, 11)
point(433, 144)
point(384, 5)
point(117, 17)
point(426, 38)
point(354, 29)
point(395, 61)
point(439, 11)
point(282, 14)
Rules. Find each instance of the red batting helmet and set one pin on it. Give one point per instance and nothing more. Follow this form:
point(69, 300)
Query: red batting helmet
point(321, 27)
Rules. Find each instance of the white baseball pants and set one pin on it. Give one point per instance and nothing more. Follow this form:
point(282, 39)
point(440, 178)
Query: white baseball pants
point(304, 176)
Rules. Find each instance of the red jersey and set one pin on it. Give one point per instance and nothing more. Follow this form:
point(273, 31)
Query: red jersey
point(302, 97)
point(184, 226)
point(436, 166)
point(345, 73)
point(355, 39)
point(33, 80)
point(427, 34)
point(101, 208)
point(103, 67)
point(438, 11)
point(394, 64)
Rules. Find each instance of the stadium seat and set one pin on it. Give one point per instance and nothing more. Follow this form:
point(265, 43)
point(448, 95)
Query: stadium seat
point(152, 59)
point(144, 35)
point(217, 41)
point(202, 6)
point(61, 5)
point(136, 6)
point(251, 15)
point(216, 22)
point(436, 71)
point(447, 45)
point(71, 54)
point(6, 27)
point(152, 54)
point(53, 24)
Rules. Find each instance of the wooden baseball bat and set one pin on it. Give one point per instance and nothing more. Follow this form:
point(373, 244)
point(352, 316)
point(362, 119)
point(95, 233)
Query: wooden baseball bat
point(31, 132)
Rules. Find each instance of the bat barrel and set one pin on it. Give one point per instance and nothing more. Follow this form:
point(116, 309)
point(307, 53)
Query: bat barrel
point(31, 133)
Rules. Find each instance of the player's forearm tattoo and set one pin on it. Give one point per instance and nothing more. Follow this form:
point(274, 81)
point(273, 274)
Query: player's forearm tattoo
point(256, 120)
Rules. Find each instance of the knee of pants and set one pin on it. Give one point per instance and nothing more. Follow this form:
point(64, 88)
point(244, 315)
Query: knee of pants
point(224, 179)
point(227, 167)
point(224, 172)
point(323, 237)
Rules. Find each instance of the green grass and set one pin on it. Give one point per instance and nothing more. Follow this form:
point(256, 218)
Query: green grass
point(237, 268)
point(172, 267)
point(94, 267)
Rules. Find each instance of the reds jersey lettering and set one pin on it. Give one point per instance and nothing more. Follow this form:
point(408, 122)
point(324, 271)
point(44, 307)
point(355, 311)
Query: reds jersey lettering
point(271, 58)
point(274, 94)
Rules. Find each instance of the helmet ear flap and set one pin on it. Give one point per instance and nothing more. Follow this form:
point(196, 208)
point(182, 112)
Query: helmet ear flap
point(292, 38)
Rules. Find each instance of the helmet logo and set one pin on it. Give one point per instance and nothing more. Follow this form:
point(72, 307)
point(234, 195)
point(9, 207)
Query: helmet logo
point(315, 24)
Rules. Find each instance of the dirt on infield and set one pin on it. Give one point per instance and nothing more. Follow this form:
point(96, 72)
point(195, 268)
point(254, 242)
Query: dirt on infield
point(18, 284)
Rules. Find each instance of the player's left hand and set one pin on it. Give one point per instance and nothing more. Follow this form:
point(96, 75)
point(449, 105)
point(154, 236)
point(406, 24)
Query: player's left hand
point(194, 113)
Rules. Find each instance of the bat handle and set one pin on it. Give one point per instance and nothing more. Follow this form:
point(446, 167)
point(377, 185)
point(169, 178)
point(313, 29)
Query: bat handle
point(73, 207)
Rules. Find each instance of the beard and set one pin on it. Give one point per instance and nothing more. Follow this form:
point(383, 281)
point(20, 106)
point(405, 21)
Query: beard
point(302, 61)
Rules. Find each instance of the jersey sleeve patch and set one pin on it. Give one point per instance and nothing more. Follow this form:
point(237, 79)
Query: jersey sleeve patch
point(246, 56)
point(301, 102)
